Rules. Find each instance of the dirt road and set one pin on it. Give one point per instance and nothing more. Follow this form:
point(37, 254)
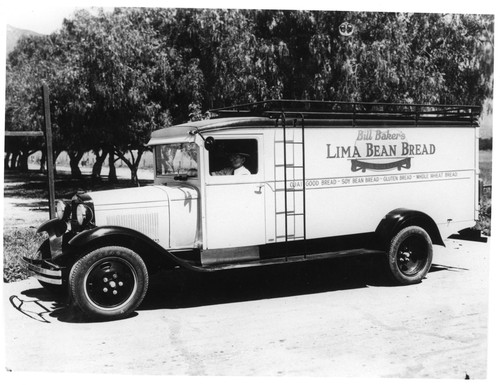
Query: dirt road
point(322, 319)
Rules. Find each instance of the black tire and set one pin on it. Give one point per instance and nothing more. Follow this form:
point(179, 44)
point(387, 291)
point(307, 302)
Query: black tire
point(109, 282)
point(410, 255)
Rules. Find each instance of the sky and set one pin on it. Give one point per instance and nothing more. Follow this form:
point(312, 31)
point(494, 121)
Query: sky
point(46, 17)
point(42, 20)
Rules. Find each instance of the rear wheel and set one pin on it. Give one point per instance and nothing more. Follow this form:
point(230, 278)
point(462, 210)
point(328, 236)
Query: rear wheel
point(109, 282)
point(410, 255)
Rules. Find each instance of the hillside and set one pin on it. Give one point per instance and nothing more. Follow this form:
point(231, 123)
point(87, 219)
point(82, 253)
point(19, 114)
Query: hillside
point(14, 34)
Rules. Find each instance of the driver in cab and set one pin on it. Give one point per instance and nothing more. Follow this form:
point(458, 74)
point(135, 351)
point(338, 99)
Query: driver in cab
point(236, 159)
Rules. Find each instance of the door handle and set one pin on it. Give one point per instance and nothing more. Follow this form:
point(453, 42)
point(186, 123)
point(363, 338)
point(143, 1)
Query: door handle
point(259, 191)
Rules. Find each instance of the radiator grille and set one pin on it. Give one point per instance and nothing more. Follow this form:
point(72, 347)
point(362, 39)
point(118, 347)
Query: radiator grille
point(146, 223)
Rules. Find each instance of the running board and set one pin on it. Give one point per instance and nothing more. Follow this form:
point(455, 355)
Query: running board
point(291, 259)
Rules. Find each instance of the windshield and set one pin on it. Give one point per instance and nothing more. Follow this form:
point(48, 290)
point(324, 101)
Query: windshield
point(177, 158)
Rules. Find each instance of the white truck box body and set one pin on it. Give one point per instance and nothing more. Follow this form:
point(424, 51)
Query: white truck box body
point(438, 177)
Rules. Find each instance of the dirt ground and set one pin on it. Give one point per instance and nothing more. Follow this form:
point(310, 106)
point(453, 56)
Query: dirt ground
point(315, 320)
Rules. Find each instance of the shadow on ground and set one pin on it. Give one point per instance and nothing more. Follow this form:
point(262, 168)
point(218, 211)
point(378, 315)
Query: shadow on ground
point(40, 305)
point(184, 289)
point(181, 288)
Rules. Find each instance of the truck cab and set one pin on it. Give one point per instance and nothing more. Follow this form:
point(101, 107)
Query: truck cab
point(272, 182)
point(231, 210)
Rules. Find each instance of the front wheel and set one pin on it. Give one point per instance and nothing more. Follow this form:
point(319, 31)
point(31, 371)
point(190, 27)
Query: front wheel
point(410, 255)
point(109, 282)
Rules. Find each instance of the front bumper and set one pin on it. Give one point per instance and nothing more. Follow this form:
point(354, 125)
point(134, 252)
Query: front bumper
point(44, 270)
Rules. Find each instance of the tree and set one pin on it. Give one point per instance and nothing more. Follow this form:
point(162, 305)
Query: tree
point(415, 58)
point(27, 68)
point(216, 58)
point(114, 78)
point(111, 109)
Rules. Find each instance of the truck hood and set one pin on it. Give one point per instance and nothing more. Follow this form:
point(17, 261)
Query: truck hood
point(166, 214)
point(128, 197)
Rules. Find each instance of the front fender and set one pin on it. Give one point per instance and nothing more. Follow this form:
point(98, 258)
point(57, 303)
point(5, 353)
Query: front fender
point(116, 235)
point(54, 227)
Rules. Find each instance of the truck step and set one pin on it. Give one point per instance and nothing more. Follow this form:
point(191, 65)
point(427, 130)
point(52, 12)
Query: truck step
point(292, 259)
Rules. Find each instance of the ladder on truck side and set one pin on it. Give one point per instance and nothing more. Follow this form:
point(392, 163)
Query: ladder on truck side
point(290, 189)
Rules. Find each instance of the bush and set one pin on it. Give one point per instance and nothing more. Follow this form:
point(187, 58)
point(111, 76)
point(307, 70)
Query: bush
point(485, 144)
point(484, 222)
point(18, 243)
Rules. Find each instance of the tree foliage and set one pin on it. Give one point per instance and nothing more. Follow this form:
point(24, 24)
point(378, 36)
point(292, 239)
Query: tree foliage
point(116, 77)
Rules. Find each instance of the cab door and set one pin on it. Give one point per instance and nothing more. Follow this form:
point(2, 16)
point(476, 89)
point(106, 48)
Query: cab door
point(234, 204)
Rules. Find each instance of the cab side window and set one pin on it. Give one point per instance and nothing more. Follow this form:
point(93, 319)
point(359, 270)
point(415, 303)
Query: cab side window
point(234, 157)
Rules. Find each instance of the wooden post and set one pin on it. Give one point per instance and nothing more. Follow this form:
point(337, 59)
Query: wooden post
point(49, 149)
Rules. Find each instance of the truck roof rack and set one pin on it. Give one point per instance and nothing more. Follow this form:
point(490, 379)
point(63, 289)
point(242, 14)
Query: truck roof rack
point(356, 113)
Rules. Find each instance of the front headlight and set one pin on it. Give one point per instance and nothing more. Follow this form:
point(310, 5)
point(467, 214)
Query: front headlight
point(83, 214)
point(63, 210)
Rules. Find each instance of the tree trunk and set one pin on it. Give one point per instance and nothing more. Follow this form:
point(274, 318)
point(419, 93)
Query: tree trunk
point(23, 161)
point(132, 165)
point(13, 160)
point(56, 155)
point(43, 159)
point(112, 169)
point(99, 160)
point(137, 164)
point(133, 175)
point(74, 160)
point(6, 164)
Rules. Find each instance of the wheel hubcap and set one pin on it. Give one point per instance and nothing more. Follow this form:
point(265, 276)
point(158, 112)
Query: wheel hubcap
point(412, 255)
point(110, 282)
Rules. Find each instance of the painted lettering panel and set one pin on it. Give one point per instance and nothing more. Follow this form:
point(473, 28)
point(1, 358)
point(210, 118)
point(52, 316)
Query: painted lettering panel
point(356, 176)
point(369, 151)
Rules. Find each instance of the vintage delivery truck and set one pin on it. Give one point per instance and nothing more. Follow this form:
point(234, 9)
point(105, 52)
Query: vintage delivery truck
point(270, 183)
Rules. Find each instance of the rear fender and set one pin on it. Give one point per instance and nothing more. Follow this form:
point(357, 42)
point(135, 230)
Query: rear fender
point(398, 219)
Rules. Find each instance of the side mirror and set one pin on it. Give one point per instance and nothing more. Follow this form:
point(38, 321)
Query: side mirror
point(210, 143)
